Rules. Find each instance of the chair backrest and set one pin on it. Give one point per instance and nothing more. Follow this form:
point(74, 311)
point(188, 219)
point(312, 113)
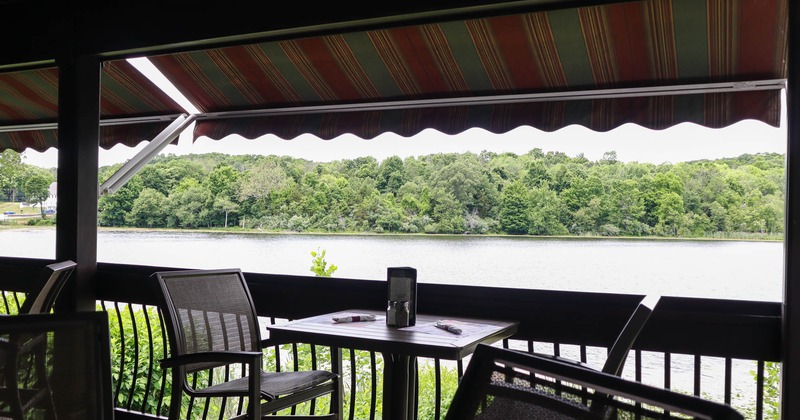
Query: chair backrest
point(507, 384)
point(74, 351)
point(208, 310)
point(618, 352)
point(48, 285)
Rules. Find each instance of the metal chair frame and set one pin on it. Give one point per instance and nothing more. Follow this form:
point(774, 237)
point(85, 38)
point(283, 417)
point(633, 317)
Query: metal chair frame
point(25, 344)
point(51, 280)
point(566, 391)
point(618, 351)
point(14, 347)
point(184, 360)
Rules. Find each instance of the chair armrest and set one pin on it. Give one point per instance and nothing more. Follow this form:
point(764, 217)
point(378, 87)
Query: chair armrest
point(39, 340)
point(22, 345)
point(213, 357)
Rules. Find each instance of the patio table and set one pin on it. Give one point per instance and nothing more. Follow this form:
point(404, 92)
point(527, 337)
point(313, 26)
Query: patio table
point(400, 347)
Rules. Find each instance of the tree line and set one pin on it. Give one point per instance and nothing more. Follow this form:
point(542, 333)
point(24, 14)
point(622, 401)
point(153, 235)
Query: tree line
point(536, 193)
point(20, 182)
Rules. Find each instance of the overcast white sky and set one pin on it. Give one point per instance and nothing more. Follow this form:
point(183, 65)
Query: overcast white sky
point(631, 142)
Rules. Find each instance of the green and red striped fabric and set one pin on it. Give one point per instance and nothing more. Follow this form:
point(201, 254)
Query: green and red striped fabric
point(632, 44)
point(31, 97)
point(638, 44)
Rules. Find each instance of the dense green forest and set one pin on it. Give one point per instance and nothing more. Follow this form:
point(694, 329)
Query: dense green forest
point(536, 193)
point(488, 193)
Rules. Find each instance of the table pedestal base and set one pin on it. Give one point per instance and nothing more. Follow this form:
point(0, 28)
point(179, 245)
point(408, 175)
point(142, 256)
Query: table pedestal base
point(399, 387)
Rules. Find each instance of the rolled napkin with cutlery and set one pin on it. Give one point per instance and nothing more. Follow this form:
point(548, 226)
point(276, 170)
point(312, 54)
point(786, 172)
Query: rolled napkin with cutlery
point(353, 318)
point(448, 327)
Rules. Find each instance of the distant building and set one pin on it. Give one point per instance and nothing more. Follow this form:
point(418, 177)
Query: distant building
point(50, 203)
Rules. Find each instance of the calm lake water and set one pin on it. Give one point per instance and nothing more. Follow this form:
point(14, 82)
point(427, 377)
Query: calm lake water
point(718, 269)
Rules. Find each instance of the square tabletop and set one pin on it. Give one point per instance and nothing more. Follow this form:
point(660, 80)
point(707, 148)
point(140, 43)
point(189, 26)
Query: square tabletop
point(421, 340)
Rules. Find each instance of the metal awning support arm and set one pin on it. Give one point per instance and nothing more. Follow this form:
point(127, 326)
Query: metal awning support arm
point(153, 148)
point(692, 89)
point(722, 87)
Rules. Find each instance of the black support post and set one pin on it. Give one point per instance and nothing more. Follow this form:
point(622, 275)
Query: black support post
point(790, 381)
point(78, 149)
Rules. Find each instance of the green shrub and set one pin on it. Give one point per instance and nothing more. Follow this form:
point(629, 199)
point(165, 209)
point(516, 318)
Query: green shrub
point(427, 389)
point(134, 356)
point(363, 371)
point(12, 301)
point(772, 390)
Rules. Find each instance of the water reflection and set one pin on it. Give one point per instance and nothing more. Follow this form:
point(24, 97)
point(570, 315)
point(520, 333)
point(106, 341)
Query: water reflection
point(720, 269)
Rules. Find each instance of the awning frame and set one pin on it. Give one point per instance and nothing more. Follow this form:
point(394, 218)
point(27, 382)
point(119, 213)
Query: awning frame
point(688, 89)
point(153, 148)
point(103, 123)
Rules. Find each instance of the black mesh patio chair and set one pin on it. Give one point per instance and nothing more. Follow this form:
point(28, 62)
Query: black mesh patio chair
point(212, 323)
point(618, 352)
point(506, 384)
point(40, 300)
point(49, 283)
point(66, 376)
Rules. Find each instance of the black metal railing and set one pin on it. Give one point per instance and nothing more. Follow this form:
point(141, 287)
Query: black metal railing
point(140, 383)
point(686, 344)
point(717, 349)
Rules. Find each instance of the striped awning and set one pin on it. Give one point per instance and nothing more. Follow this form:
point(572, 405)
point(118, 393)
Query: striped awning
point(132, 108)
point(496, 73)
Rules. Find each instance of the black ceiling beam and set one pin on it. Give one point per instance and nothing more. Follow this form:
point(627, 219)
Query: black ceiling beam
point(115, 29)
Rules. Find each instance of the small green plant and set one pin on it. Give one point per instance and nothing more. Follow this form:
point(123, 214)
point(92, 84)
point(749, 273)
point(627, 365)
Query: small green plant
point(772, 390)
point(319, 266)
point(772, 394)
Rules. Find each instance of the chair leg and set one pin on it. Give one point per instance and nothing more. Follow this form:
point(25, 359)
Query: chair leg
point(176, 396)
point(254, 402)
point(43, 382)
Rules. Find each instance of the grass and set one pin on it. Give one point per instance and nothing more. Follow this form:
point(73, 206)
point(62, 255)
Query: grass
point(15, 207)
point(9, 206)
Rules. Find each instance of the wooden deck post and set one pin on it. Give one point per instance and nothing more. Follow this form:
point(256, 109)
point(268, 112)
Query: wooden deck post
point(78, 134)
point(790, 381)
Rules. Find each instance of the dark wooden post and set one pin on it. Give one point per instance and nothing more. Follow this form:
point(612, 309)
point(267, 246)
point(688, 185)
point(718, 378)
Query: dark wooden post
point(790, 381)
point(78, 151)
point(78, 144)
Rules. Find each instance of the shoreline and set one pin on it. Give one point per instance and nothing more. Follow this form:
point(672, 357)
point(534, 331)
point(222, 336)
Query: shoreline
point(239, 231)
